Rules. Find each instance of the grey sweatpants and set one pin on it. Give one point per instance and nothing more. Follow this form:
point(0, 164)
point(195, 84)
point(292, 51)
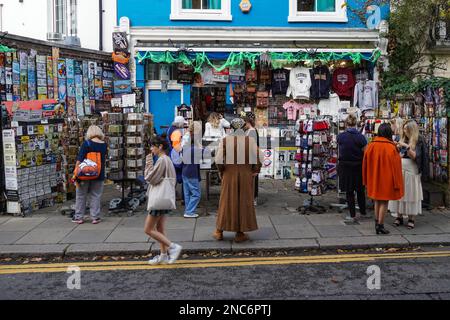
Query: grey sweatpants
point(94, 189)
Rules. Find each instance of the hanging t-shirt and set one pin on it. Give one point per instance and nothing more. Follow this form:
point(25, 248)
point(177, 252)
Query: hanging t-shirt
point(280, 81)
point(299, 83)
point(207, 75)
point(330, 106)
point(343, 82)
point(321, 82)
point(291, 108)
point(366, 95)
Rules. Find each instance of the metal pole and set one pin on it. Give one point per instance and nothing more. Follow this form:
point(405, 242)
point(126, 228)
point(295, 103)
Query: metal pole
point(100, 13)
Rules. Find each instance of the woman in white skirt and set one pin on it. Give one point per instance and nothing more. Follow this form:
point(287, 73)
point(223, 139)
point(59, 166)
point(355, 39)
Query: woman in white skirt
point(414, 165)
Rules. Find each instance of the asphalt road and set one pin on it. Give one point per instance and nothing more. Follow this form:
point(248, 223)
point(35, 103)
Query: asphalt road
point(344, 277)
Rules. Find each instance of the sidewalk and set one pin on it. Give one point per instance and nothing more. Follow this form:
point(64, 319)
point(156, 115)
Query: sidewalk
point(48, 233)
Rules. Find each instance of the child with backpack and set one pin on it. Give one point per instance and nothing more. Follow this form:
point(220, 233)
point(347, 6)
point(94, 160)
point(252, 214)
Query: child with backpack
point(89, 175)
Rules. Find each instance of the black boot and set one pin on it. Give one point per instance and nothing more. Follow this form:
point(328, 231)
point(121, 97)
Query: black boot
point(381, 229)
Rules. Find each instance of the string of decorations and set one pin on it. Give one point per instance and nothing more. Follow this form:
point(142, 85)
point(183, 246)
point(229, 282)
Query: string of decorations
point(198, 59)
point(5, 49)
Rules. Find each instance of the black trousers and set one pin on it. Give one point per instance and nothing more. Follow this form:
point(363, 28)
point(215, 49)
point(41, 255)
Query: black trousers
point(361, 195)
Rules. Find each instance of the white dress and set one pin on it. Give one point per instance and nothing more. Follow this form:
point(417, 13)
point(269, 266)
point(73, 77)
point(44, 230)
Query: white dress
point(411, 203)
point(219, 132)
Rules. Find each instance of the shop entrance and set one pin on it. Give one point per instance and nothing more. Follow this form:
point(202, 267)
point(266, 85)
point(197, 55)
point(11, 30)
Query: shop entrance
point(162, 106)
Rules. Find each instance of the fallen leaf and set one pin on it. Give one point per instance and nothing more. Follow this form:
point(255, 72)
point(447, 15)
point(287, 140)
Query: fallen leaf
point(184, 256)
point(36, 260)
point(393, 250)
point(7, 259)
point(115, 258)
point(25, 262)
point(334, 280)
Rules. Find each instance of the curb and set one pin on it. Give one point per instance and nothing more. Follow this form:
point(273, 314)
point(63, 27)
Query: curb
point(141, 249)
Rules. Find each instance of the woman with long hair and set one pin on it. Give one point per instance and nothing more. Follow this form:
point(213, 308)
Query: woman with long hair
point(382, 174)
point(413, 153)
point(216, 125)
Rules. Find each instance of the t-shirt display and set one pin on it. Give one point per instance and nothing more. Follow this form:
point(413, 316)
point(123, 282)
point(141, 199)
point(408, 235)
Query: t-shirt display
point(299, 83)
point(321, 82)
point(343, 82)
point(366, 95)
point(280, 81)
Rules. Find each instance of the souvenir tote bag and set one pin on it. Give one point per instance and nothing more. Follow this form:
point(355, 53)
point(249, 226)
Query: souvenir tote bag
point(162, 196)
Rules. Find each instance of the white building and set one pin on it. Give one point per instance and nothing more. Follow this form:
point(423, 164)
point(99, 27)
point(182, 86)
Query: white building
point(88, 22)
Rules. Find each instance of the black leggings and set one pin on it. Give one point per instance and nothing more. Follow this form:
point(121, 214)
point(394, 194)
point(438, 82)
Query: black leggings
point(361, 194)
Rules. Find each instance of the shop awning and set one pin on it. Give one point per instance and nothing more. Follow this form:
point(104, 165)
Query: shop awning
point(230, 59)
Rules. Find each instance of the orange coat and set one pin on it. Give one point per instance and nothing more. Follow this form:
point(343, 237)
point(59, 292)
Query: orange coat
point(382, 171)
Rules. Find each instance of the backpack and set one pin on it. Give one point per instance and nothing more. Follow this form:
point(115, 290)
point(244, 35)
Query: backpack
point(91, 167)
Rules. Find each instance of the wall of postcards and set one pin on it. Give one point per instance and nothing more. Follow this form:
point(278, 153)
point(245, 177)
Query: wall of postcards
point(34, 154)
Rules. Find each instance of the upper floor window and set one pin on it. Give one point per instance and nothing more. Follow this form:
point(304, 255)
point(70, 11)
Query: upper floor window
point(317, 11)
point(201, 10)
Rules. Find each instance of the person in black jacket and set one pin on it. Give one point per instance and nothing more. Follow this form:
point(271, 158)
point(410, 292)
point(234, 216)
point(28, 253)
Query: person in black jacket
point(351, 154)
point(414, 155)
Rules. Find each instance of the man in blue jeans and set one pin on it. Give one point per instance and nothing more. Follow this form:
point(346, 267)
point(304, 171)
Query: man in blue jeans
point(192, 156)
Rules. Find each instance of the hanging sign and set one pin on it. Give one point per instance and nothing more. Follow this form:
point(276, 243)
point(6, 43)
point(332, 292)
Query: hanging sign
point(122, 71)
point(245, 6)
point(120, 42)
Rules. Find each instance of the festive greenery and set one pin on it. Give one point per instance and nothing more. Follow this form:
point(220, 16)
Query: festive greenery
point(5, 49)
point(197, 60)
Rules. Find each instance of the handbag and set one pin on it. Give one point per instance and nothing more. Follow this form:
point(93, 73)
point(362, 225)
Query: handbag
point(162, 196)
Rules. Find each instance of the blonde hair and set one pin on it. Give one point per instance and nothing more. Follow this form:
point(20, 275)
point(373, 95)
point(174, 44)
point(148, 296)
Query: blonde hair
point(398, 124)
point(410, 133)
point(214, 119)
point(351, 120)
point(95, 132)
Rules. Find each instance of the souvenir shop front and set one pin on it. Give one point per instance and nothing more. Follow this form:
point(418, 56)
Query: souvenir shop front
point(285, 90)
point(50, 95)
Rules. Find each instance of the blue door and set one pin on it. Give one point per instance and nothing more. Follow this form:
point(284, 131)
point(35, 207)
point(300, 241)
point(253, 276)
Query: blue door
point(162, 106)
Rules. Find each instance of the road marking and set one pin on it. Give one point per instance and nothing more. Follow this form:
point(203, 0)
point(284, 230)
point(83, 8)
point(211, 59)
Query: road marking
point(216, 263)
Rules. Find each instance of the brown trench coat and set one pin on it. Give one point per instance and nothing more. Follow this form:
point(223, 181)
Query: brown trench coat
point(236, 207)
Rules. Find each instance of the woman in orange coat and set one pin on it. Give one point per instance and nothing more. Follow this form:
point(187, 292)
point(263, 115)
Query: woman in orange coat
point(382, 174)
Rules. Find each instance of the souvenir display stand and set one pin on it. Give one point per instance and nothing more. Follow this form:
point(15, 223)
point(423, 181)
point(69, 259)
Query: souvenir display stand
point(314, 142)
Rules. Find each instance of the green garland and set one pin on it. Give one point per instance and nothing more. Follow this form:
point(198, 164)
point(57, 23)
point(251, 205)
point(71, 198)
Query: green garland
point(238, 58)
point(5, 49)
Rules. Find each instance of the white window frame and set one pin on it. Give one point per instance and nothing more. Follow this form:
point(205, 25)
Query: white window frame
point(340, 15)
point(178, 13)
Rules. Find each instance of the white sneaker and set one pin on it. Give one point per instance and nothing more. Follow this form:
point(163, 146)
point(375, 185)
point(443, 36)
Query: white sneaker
point(174, 253)
point(160, 259)
point(255, 202)
point(191, 215)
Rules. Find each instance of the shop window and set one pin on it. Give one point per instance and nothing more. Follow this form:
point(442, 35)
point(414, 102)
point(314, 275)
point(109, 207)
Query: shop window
point(152, 71)
point(201, 10)
point(317, 11)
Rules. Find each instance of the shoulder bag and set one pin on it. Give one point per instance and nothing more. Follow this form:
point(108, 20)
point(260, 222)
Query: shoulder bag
point(162, 196)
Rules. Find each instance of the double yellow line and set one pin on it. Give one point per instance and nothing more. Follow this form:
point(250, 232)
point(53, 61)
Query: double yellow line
point(216, 263)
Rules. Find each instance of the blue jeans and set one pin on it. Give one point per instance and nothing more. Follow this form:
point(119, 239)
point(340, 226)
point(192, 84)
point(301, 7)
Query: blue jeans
point(192, 194)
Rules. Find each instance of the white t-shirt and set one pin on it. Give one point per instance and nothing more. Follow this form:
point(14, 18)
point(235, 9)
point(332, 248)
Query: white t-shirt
point(299, 83)
point(331, 106)
point(219, 132)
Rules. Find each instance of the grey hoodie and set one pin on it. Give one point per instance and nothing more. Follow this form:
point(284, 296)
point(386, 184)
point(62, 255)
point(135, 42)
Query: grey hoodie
point(366, 95)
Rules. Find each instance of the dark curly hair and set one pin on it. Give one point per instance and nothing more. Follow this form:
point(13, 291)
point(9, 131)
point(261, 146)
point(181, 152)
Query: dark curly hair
point(160, 141)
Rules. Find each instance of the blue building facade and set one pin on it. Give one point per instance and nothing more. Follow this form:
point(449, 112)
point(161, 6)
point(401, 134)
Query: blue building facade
point(224, 30)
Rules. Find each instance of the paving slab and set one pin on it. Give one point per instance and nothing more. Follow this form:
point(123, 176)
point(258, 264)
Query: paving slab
point(268, 233)
point(86, 236)
point(21, 224)
point(428, 239)
point(205, 234)
point(127, 235)
point(264, 222)
point(108, 249)
point(326, 219)
point(132, 222)
point(45, 236)
point(367, 228)
point(206, 222)
point(181, 222)
point(296, 232)
point(4, 219)
point(337, 231)
point(23, 250)
point(108, 223)
point(286, 220)
point(362, 242)
point(275, 245)
point(421, 228)
point(180, 235)
point(57, 222)
point(205, 246)
point(9, 237)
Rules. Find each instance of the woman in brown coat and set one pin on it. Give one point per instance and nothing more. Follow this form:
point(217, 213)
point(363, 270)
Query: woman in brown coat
point(382, 174)
point(238, 161)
